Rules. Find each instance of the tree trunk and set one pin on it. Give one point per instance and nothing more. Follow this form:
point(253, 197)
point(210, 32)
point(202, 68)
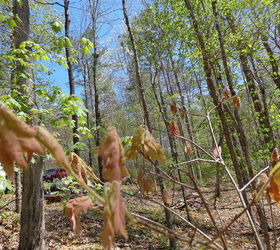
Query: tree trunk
point(273, 61)
point(94, 12)
point(70, 72)
point(32, 211)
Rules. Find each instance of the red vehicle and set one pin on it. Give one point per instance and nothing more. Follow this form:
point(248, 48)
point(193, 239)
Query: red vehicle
point(53, 173)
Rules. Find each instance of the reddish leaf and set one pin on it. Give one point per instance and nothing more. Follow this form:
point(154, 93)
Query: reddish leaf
point(112, 154)
point(16, 139)
point(166, 197)
point(236, 102)
point(173, 107)
point(73, 209)
point(275, 156)
point(113, 215)
point(226, 94)
point(173, 129)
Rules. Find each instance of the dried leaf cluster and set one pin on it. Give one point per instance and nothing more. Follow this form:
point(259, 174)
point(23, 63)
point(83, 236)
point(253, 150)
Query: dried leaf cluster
point(83, 171)
point(113, 215)
point(112, 154)
point(144, 143)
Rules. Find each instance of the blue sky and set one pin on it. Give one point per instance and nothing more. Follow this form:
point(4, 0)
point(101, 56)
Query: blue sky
point(110, 26)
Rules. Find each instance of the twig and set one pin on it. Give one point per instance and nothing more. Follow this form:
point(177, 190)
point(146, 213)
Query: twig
point(195, 144)
point(183, 219)
point(245, 186)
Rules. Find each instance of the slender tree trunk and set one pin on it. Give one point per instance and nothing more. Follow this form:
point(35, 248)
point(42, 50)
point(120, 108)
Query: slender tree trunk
point(273, 61)
point(94, 13)
point(32, 211)
point(172, 143)
point(70, 72)
point(87, 105)
point(141, 91)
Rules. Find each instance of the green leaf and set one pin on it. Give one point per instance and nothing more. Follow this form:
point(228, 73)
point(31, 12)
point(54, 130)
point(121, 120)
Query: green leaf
point(68, 42)
point(11, 23)
point(56, 26)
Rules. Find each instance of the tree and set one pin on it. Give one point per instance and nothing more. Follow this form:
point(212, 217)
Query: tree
point(32, 211)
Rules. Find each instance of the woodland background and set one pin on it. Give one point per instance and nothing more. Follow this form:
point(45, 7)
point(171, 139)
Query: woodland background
point(203, 76)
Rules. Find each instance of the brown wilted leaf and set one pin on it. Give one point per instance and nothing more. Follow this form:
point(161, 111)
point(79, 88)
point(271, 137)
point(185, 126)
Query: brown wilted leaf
point(275, 156)
point(144, 143)
point(47, 139)
point(113, 215)
point(173, 107)
point(16, 139)
point(166, 197)
point(145, 182)
point(82, 169)
point(74, 208)
point(112, 154)
point(173, 129)
point(236, 102)
point(226, 94)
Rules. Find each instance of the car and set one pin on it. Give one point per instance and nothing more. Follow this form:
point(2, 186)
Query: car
point(53, 173)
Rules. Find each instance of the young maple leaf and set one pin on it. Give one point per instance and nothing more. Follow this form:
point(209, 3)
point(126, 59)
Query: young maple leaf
point(113, 215)
point(16, 139)
point(74, 208)
point(112, 154)
point(173, 129)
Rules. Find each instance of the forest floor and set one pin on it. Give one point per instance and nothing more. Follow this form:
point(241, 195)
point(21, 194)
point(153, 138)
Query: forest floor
point(59, 235)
